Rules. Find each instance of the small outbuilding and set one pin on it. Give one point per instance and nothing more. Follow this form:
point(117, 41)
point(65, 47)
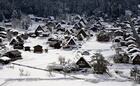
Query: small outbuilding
point(38, 49)
point(27, 48)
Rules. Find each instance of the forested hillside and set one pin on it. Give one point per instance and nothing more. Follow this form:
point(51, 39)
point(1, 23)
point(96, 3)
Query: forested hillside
point(113, 8)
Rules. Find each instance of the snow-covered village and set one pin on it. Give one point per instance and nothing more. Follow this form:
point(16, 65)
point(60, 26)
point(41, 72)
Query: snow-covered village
point(69, 45)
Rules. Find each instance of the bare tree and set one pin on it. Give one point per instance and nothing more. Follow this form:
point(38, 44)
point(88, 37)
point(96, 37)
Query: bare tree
point(16, 19)
point(25, 22)
point(62, 60)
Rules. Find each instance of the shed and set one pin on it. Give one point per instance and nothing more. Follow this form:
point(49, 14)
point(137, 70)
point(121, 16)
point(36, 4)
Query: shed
point(27, 48)
point(38, 49)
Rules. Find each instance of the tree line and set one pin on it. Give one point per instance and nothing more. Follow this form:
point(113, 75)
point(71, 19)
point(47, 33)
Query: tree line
point(44, 8)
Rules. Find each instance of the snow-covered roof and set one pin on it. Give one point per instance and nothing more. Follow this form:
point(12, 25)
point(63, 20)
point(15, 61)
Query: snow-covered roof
point(113, 28)
point(82, 24)
point(14, 30)
point(134, 49)
point(5, 58)
point(14, 38)
point(58, 25)
point(138, 5)
point(134, 55)
point(119, 37)
point(130, 41)
point(87, 58)
point(1, 38)
point(71, 39)
point(130, 38)
point(119, 31)
point(31, 16)
point(129, 33)
point(84, 20)
point(132, 45)
point(77, 17)
point(3, 32)
point(51, 17)
point(128, 25)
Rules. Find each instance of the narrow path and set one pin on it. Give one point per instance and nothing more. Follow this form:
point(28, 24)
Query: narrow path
point(3, 83)
point(29, 66)
point(74, 77)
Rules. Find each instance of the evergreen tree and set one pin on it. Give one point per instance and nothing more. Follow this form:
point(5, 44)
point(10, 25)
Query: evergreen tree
point(99, 64)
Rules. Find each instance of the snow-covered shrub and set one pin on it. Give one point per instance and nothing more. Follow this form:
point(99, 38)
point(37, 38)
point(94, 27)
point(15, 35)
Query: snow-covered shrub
point(11, 66)
point(21, 72)
point(121, 58)
point(68, 68)
point(27, 74)
point(62, 60)
point(46, 50)
point(54, 67)
point(103, 36)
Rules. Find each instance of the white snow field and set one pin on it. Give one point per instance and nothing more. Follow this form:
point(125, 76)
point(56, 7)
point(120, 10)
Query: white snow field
point(10, 74)
point(33, 67)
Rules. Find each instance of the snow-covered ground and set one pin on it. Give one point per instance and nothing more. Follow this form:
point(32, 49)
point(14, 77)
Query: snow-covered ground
point(67, 83)
point(34, 74)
